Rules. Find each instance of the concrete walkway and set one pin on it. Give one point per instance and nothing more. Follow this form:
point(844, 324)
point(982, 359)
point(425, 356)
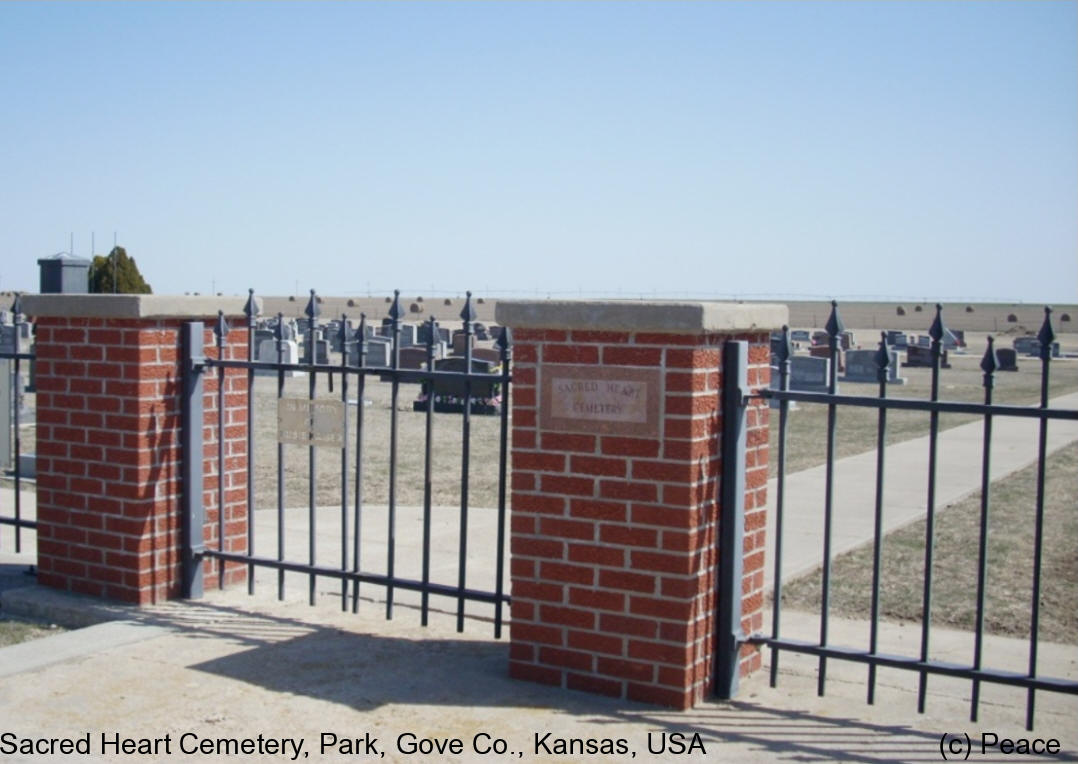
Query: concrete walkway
point(236, 667)
point(905, 497)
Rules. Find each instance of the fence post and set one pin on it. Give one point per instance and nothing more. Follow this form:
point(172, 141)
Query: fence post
point(732, 524)
point(193, 513)
point(111, 377)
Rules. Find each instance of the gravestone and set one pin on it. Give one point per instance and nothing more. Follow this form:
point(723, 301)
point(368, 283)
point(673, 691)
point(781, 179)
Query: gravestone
point(481, 332)
point(800, 335)
point(809, 374)
point(413, 358)
point(460, 341)
point(409, 335)
point(7, 338)
point(267, 351)
point(1007, 359)
point(950, 341)
point(378, 352)
point(921, 357)
point(774, 385)
point(321, 348)
point(487, 354)
point(861, 367)
point(449, 393)
point(823, 351)
point(897, 339)
point(261, 335)
point(1033, 349)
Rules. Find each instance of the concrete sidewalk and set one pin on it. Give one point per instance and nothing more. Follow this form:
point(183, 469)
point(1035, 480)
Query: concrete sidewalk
point(958, 474)
point(236, 667)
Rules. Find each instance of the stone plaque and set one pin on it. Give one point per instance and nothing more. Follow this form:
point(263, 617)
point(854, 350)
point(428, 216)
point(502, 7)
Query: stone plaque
point(304, 422)
point(608, 400)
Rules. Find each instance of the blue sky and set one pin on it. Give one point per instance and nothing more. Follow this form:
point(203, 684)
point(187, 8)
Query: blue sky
point(876, 149)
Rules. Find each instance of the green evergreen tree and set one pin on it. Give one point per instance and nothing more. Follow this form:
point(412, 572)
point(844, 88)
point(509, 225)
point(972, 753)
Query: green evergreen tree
point(116, 272)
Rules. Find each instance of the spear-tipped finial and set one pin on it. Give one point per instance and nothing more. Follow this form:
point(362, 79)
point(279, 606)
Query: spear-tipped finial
point(989, 362)
point(937, 330)
point(342, 331)
point(785, 347)
point(467, 313)
point(395, 311)
point(312, 310)
point(505, 340)
point(221, 327)
point(1046, 336)
point(278, 330)
point(883, 355)
point(834, 325)
point(432, 331)
point(250, 309)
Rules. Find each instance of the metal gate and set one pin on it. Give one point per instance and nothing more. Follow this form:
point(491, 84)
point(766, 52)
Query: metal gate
point(320, 422)
point(923, 663)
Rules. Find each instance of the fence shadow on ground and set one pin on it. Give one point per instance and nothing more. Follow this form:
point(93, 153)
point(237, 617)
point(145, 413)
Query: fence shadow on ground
point(366, 671)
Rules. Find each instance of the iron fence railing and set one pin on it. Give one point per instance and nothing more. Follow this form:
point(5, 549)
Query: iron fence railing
point(354, 347)
point(922, 663)
point(11, 361)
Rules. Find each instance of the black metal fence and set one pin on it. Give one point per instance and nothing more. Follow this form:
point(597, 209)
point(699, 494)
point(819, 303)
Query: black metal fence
point(922, 663)
point(12, 361)
point(441, 389)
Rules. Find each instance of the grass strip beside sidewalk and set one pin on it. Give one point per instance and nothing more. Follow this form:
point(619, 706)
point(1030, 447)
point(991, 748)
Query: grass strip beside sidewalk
point(1011, 531)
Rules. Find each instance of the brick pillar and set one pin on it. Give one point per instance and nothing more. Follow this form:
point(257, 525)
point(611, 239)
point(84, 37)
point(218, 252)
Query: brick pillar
point(109, 440)
point(615, 492)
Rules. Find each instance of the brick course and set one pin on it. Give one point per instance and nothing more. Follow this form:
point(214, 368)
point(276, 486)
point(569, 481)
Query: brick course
point(109, 452)
point(614, 569)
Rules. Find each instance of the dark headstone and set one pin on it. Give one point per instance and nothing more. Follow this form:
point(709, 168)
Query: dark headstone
point(921, 357)
point(1007, 359)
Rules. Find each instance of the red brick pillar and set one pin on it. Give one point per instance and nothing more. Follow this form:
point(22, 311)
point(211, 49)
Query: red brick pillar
point(109, 442)
point(615, 492)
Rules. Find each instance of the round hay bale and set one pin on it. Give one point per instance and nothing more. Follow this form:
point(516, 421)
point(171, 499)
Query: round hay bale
point(318, 299)
point(917, 308)
point(1012, 319)
point(351, 303)
point(1065, 318)
point(969, 308)
point(480, 300)
point(415, 307)
point(447, 301)
point(292, 298)
point(419, 299)
point(900, 310)
point(389, 299)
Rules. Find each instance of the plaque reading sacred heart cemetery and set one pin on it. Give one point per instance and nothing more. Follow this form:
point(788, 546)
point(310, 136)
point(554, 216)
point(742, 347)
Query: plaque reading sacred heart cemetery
point(606, 400)
point(304, 422)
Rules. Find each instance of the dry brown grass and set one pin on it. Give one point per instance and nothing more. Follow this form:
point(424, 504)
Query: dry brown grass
point(411, 433)
point(856, 427)
point(954, 570)
point(15, 630)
